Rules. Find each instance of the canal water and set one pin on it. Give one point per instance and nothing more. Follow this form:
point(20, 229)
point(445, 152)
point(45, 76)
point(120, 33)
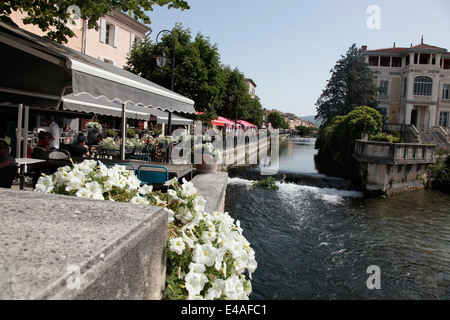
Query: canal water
point(317, 243)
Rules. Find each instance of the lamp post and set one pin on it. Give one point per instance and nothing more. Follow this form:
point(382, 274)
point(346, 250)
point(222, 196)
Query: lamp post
point(161, 60)
point(231, 98)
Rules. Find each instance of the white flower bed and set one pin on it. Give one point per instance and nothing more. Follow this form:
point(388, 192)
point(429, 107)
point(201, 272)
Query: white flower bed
point(208, 256)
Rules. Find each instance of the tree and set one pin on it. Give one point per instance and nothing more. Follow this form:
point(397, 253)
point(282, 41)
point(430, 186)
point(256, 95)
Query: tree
point(337, 137)
point(198, 73)
point(277, 120)
point(352, 84)
point(53, 16)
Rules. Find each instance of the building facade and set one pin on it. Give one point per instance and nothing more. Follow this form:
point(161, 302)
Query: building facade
point(112, 43)
point(414, 84)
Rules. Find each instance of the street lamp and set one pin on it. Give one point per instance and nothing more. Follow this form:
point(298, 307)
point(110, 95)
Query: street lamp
point(161, 60)
point(231, 98)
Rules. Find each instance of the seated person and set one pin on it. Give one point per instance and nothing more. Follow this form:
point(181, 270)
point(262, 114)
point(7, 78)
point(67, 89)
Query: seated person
point(43, 142)
point(8, 168)
point(80, 148)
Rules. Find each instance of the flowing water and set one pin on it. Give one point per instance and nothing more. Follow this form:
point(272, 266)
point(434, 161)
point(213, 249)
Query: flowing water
point(316, 243)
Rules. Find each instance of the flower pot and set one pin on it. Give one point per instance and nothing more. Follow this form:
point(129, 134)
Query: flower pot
point(204, 167)
point(111, 152)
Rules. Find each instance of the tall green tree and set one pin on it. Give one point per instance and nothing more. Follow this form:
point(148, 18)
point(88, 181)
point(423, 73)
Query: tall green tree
point(337, 137)
point(53, 16)
point(198, 73)
point(352, 84)
point(277, 120)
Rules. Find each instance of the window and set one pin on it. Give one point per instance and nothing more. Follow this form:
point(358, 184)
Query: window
point(443, 119)
point(446, 91)
point(109, 33)
point(446, 64)
point(373, 61)
point(396, 62)
point(384, 88)
point(423, 86)
point(134, 41)
point(385, 61)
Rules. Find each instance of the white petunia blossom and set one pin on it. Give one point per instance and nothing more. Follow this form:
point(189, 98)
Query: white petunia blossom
point(177, 245)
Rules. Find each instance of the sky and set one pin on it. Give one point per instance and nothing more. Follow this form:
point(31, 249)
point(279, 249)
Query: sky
point(288, 47)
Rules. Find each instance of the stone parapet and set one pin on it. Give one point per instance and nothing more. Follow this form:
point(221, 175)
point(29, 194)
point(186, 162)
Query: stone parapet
point(61, 247)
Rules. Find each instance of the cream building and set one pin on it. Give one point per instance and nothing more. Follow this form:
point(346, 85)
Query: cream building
point(112, 43)
point(414, 84)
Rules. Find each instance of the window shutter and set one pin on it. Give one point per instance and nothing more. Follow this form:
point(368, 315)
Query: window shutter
point(133, 37)
point(102, 30)
point(116, 36)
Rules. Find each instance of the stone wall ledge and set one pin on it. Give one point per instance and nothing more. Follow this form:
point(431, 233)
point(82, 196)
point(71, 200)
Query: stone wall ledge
point(61, 247)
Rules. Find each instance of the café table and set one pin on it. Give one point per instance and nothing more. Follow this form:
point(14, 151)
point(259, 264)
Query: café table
point(21, 163)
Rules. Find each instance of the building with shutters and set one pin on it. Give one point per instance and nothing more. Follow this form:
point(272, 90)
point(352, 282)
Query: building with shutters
point(414, 84)
point(111, 43)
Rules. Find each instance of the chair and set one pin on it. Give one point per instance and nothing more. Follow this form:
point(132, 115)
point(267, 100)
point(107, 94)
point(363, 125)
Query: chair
point(153, 177)
point(61, 154)
point(7, 176)
point(145, 158)
point(37, 152)
point(123, 164)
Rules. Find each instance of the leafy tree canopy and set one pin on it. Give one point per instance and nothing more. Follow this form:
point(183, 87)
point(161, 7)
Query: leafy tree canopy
point(277, 120)
point(337, 137)
point(199, 75)
point(352, 84)
point(53, 16)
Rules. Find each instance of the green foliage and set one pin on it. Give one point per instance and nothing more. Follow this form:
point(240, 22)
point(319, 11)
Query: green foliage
point(277, 120)
point(110, 133)
point(351, 84)
point(384, 136)
point(305, 131)
point(337, 137)
point(130, 133)
point(199, 75)
point(55, 14)
point(268, 183)
point(439, 173)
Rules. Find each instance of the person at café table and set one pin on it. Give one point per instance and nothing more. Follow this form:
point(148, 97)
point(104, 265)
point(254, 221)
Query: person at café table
point(80, 148)
point(42, 140)
point(8, 168)
point(53, 141)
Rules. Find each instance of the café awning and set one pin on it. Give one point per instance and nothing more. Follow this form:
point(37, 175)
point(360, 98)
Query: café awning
point(163, 117)
point(246, 123)
point(222, 121)
point(101, 106)
point(38, 71)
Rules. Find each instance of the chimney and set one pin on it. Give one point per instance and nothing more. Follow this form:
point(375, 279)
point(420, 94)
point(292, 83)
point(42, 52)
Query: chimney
point(394, 44)
point(364, 48)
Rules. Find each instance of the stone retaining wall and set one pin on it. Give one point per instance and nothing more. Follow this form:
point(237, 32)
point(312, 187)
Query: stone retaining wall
point(61, 247)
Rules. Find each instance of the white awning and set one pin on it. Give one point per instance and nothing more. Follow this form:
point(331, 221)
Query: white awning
point(36, 70)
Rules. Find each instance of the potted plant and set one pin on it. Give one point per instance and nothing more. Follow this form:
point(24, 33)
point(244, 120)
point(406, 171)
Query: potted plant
point(111, 147)
point(210, 157)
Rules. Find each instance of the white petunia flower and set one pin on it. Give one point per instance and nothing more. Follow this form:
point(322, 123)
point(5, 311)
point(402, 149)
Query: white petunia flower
point(205, 254)
point(177, 245)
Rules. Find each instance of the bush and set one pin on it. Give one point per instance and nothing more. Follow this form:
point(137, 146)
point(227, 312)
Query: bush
point(439, 173)
point(268, 183)
point(337, 138)
point(110, 133)
point(384, 136)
